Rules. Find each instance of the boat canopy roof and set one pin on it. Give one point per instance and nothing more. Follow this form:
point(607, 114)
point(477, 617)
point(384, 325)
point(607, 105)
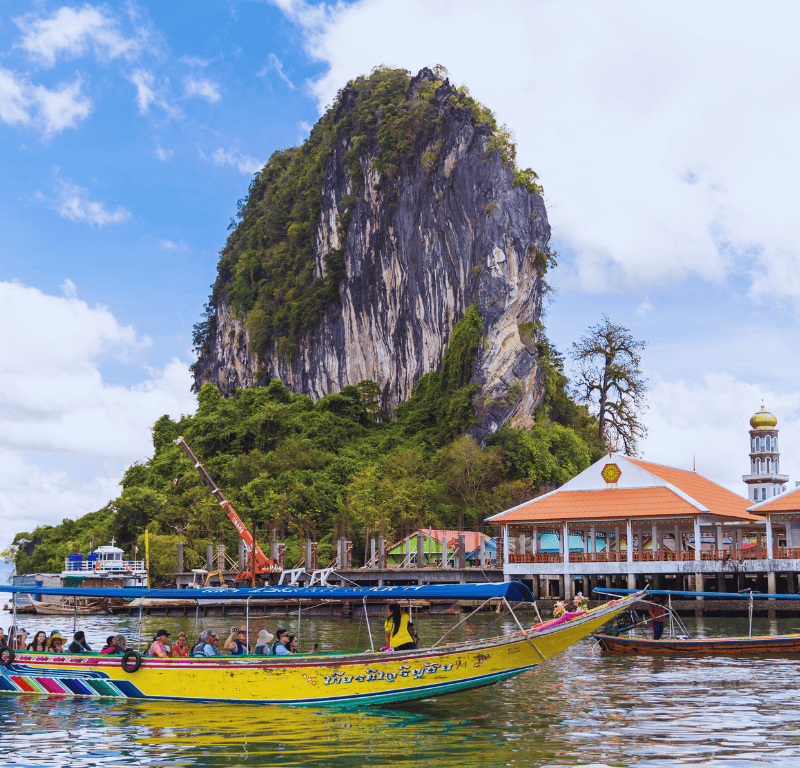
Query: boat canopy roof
point(511, 590)
point(676, 593)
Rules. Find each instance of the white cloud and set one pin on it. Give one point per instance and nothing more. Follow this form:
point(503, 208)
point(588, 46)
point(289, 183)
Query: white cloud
point(145, 95)
point(243, 163)
point(645, 308)
point(168, 245)
point(274, 64)
point(69, 289)
point(707, 422)
point(49, 111)
point(148, 92)
point(72, 32)
point(662, 147)
point(68, 435)
point(74, 204)
point(203, 88)
point(163, 154)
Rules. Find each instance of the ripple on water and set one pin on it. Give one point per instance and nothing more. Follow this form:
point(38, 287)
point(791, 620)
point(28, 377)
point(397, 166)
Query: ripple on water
point(582, 708)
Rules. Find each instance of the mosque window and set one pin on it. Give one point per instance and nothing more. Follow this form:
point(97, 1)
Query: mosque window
point(758, 466)
point(769, 466)
point(755, 493)
point(768, 443)
point(764, 494)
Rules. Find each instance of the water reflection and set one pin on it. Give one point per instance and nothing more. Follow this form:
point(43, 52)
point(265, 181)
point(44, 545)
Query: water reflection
point(582, 708)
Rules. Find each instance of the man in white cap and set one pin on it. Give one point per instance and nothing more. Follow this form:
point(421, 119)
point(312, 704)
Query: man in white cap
point(264, 639)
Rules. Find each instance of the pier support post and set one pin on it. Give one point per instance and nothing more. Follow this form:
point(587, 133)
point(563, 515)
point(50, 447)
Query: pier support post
point(242, 557)
point(483, 552)
point(373, 553)
point(462, 562)
point(629, 553)
point(420, 550)
point(180, 556)
point(381, 552)
point(309, 564)
point(209, 557)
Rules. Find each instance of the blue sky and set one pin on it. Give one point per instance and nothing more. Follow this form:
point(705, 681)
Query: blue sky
point(668, 157)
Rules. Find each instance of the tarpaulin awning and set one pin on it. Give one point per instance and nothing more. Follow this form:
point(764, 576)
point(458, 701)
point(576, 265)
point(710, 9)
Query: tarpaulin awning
point(675, 593)
point(511, 590)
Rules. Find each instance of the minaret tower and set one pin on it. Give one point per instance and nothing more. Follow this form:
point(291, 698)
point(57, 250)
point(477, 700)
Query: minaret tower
point(764, 480)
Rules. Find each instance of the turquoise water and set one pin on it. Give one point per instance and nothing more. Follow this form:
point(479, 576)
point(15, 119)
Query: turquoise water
point(581, 708)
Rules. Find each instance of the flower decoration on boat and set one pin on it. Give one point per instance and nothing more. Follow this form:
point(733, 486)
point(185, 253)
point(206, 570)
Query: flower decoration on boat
point(580, 602)
point(559, 609)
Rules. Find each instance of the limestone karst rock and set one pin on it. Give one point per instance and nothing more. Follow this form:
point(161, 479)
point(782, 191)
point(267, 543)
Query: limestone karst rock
point(417, 212)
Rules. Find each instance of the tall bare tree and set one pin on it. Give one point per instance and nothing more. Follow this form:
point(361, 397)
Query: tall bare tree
point(610, 378)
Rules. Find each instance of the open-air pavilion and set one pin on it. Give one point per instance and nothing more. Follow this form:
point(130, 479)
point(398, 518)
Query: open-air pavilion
point(671, 527)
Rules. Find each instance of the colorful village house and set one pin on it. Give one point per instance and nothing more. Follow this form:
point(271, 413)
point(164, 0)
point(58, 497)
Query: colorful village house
point(435, 543)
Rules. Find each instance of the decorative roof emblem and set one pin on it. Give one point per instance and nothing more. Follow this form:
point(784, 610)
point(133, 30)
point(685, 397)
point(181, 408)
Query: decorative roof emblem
point(611, 473)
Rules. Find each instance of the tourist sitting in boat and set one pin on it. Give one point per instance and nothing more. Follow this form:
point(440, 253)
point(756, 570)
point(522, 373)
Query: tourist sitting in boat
point(281, 646)
point(181, 648)
point(119, 644)
point(396, 629)
point(16, 638)
point(79, 644)
point(294, 646)
point(262, 645)
point(159, 645)
point(39, 644)
point(3, 641)
point(56, 643)
point(197, 648)
point(237, 642)
point(207, 644)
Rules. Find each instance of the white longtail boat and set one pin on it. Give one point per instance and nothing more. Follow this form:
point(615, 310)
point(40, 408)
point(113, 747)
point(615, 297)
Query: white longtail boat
point(320, 679)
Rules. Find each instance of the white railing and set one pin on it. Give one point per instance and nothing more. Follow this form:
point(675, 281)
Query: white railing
point(103, 566)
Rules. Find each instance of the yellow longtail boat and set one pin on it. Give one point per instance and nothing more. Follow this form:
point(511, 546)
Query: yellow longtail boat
point(320, 679)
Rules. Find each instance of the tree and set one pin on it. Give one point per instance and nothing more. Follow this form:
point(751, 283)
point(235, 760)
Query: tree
point(610, 378)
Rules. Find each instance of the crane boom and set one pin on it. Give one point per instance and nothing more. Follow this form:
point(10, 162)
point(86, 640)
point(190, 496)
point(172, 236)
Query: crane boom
point(257, 558)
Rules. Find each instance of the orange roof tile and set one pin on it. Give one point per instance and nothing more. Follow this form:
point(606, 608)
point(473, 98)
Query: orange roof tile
point(786, 502)
point(718, 500)
point(611, 504)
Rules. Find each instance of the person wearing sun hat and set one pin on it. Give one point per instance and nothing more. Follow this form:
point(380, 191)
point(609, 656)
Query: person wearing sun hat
point(264, 639)
point(56, 643)
point(159, 645)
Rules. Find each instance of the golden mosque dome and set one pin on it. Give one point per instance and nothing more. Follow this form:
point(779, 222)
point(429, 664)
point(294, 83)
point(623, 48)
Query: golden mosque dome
point(763, 420)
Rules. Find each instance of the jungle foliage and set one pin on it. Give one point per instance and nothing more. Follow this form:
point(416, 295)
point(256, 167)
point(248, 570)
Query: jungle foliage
point(339, 463)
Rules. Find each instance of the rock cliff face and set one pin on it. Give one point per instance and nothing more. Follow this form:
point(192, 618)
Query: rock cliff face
point(452, 225)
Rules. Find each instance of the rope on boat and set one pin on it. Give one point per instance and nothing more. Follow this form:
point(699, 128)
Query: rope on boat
point(525, 634)
point(463, 620)
point(369, 629)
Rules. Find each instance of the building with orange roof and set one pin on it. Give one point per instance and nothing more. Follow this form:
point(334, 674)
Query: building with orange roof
point(653, 522)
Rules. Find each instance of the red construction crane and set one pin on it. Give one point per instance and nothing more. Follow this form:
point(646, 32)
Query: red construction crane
point(263, 565)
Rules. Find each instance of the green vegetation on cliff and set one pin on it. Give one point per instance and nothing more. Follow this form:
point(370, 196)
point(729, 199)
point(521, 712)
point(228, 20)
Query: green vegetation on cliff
point(285, 460)
point(268, 268)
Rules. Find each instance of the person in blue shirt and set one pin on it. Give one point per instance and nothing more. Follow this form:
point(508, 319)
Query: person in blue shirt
point(281, 647)
point(237, 642)
point(211, 647)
